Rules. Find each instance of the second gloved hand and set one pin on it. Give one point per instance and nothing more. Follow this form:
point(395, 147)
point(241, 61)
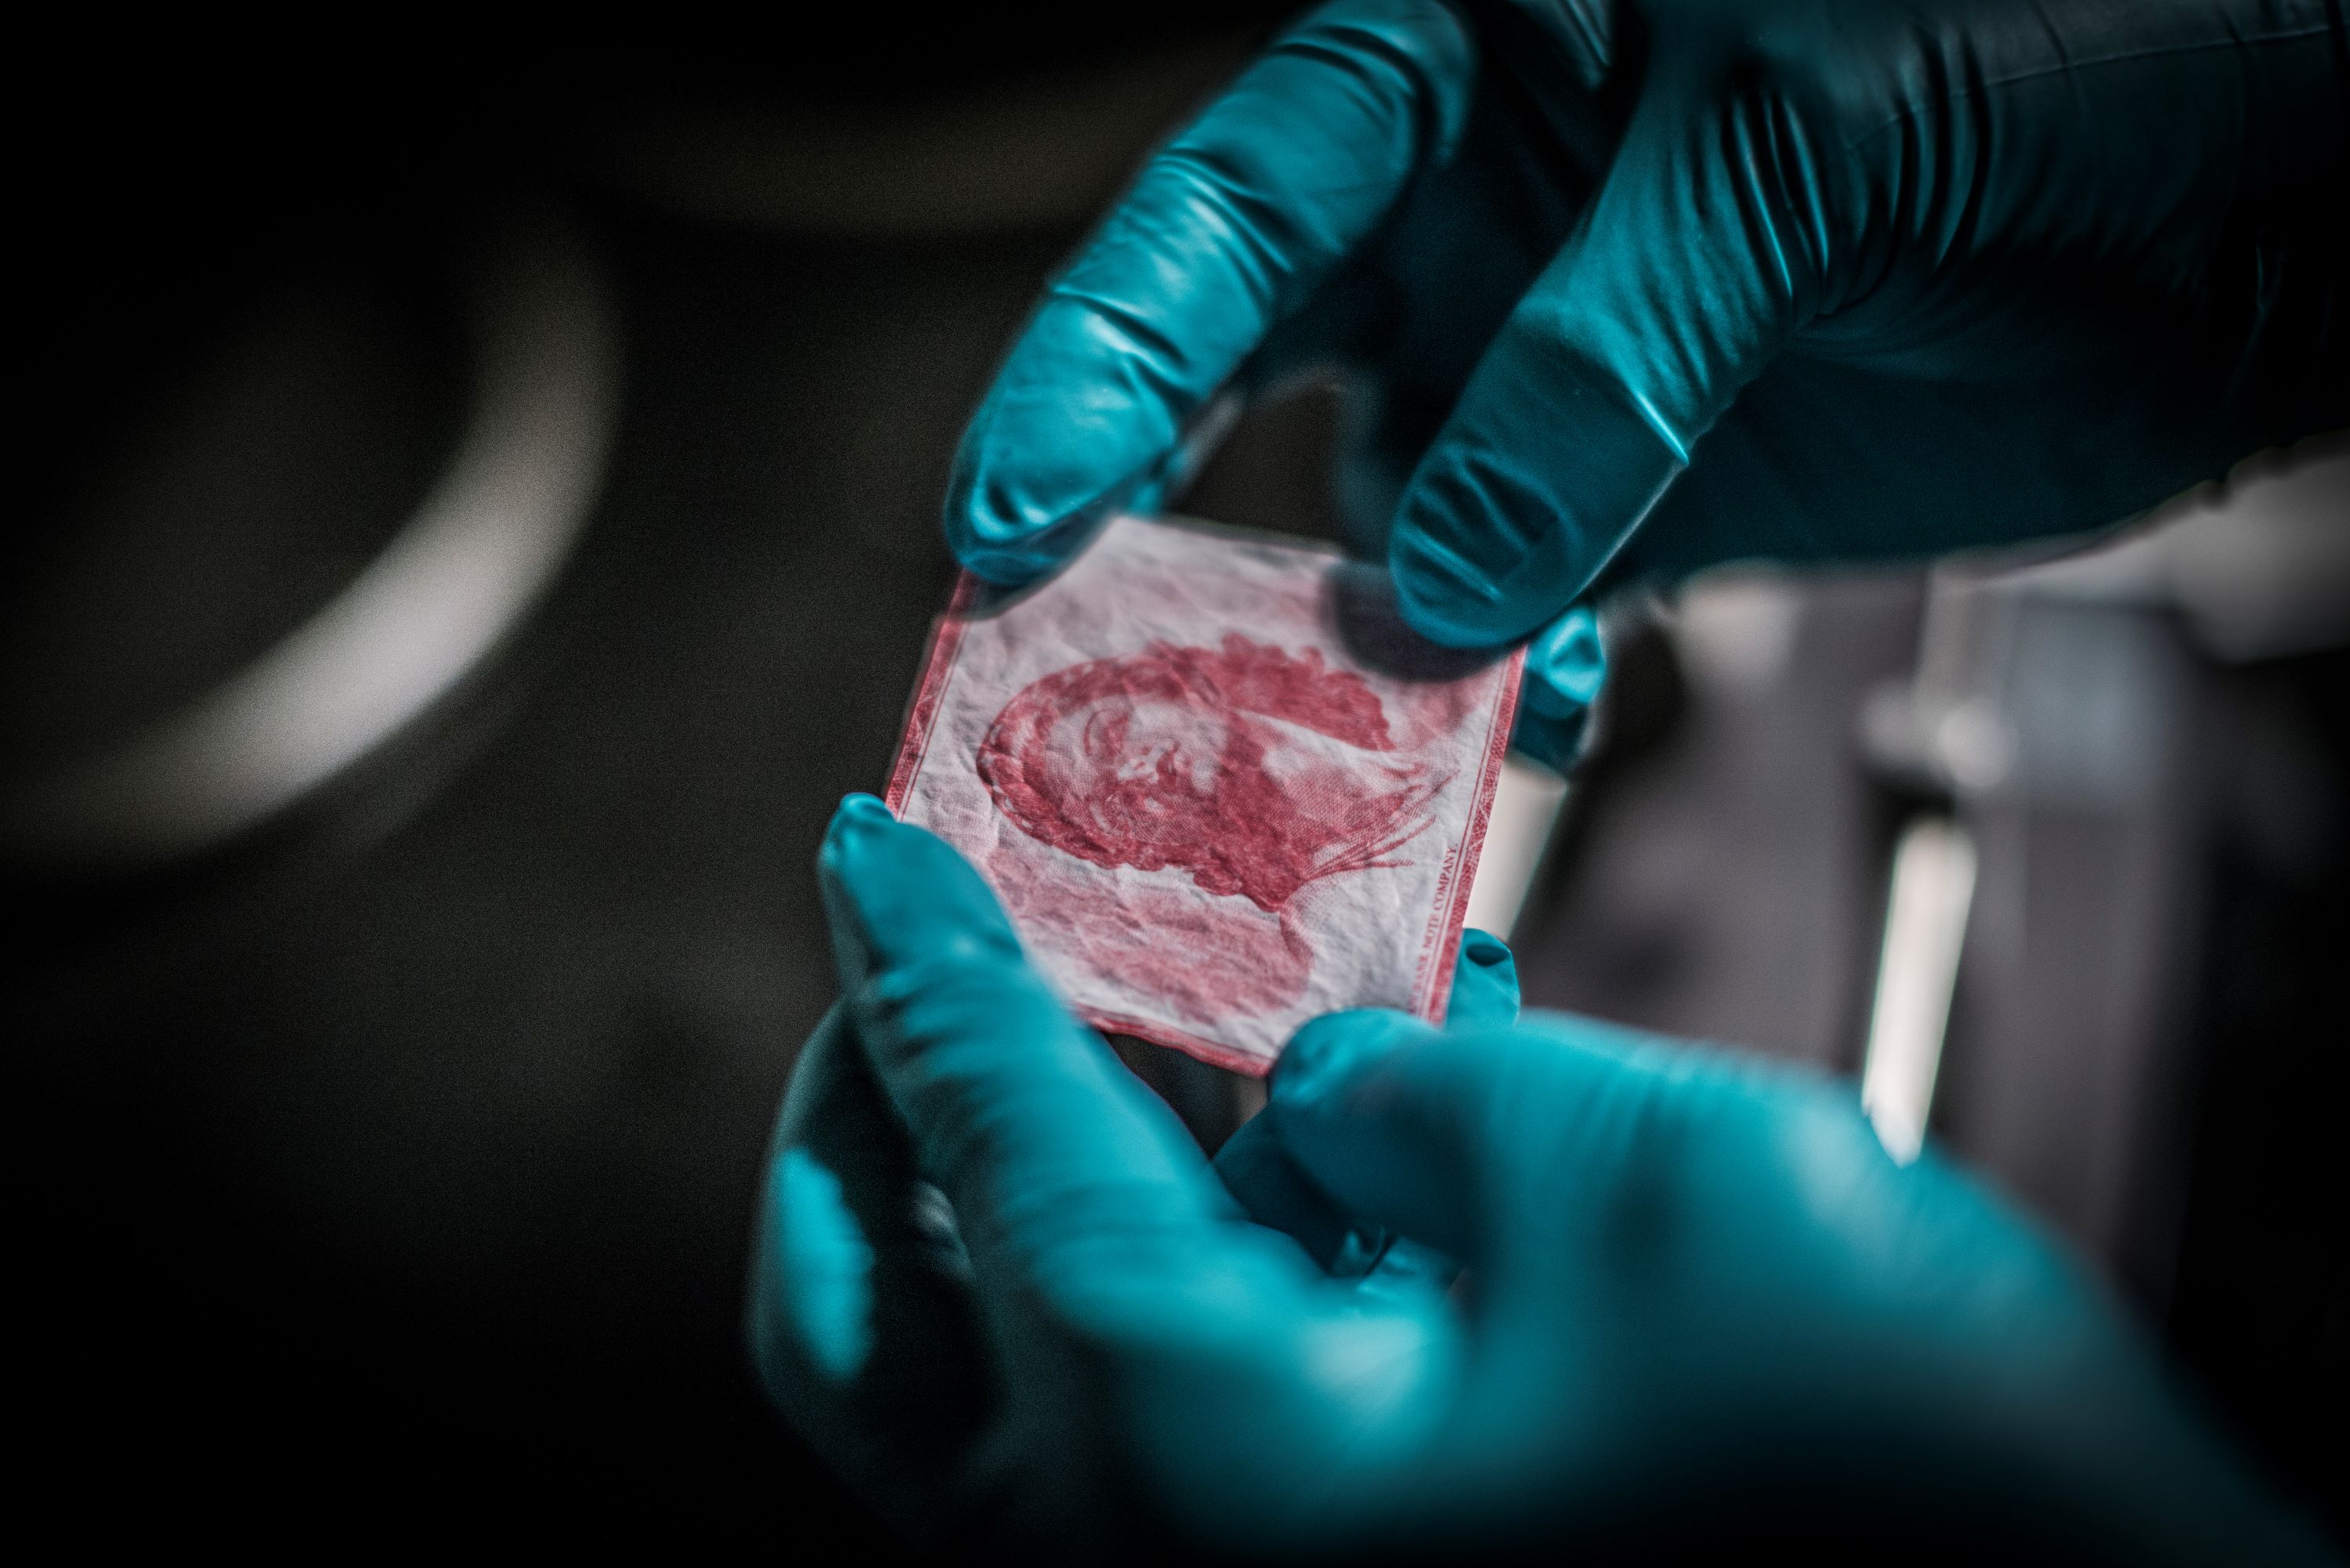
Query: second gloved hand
point(1637, 285)
point(997, 1285)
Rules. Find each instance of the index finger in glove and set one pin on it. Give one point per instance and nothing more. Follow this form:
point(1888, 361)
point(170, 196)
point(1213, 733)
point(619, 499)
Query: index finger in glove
point(1225, 233)
point(1689, 274)
point(1266, 1182)
point(1039, 1137)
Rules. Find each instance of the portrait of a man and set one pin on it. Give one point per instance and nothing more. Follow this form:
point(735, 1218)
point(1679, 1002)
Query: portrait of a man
point(1241, 766)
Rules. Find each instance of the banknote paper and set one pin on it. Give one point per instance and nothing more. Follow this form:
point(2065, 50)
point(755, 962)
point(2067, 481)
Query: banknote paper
point(1219, 786)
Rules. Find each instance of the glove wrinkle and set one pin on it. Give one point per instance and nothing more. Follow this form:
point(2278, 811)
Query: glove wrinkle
point(1705, 1309)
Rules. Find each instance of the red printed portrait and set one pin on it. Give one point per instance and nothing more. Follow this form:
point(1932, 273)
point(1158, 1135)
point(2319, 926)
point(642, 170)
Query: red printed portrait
point(1198, 759)
point(1209, 818)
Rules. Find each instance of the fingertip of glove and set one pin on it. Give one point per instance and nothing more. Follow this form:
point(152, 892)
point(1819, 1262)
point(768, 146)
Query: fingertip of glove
point(896, 892)
point(1541, 476)
point(857, 825)
point(1004, 550)
point(1484, 983)
point(1445, 596)
point(1036, 473)
point(1333, 1051)
point(860, 808)
point(1484, 949)
point(1566, 664)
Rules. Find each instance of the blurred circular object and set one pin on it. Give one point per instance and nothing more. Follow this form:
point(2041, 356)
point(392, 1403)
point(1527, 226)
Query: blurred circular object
point(350, 500)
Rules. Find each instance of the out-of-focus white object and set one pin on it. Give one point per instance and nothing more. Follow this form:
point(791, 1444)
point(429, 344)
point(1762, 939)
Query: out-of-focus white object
point(1735, 627)
point(2261, 566)
point(1925, 927)
point(450, 586)
point(1526, 804)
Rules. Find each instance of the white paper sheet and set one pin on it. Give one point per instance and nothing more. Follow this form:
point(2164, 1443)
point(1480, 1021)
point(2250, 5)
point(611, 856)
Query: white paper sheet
point(1217, 785)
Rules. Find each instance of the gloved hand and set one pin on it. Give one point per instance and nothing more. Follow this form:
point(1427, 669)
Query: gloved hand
point(1634, 287)
point(1701, 1302)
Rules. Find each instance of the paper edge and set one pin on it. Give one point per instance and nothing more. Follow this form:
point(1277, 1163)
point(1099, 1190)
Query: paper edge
point(921, 720)
point(1438, 1001)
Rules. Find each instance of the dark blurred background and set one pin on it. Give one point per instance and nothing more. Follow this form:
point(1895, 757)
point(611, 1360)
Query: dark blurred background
point(482, 517)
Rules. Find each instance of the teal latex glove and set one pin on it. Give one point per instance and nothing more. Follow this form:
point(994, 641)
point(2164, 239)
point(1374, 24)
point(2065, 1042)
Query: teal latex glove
point(1632, 288)
point(999, 1287)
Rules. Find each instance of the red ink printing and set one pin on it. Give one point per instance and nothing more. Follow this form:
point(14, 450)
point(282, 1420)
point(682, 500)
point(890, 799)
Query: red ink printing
point(1241, 766)
point(1175, 829)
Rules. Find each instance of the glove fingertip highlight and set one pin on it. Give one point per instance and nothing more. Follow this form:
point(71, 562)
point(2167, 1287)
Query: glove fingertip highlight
point(822, 1267)
point(894, 892)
